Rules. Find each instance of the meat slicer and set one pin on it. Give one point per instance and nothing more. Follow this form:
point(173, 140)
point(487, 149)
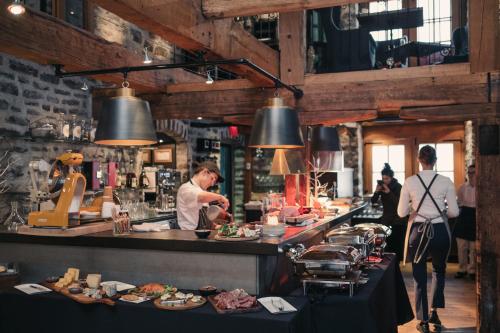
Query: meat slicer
point(66, 188)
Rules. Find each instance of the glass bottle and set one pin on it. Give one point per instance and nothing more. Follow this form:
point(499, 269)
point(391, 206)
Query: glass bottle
point(85, 135)
point(92, 129)
point(131, 177)
point(66, 130)
point(76, 129)
point(143, 180)
point(60, 126)
point(14, 221)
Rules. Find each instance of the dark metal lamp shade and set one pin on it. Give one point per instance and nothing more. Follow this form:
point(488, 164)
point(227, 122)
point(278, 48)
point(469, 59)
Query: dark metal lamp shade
point(125, 120)
point(326, 149)
point(276, 126)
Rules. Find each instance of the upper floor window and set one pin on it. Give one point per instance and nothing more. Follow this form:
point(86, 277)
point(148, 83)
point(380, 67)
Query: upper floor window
point(437, 21)
point(382, 6)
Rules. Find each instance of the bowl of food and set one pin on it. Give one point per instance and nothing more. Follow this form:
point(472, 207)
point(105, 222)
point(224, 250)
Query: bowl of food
point(208, 290)
point(202, 233)
point(75, 290)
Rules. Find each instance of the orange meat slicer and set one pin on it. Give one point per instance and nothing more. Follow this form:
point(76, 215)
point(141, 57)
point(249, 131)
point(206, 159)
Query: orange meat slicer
point(67, 188)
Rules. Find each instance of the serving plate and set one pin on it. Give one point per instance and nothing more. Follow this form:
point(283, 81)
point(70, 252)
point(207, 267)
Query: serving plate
point(236, 239)
point(179, 307)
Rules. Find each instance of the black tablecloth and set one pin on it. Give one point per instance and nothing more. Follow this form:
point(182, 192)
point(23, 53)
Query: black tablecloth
point(53, 313)
point(378, 306)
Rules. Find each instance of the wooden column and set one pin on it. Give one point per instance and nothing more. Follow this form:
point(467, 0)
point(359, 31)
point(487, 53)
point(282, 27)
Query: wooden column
point(488, 222)
point(484, 35)
point(292, 41)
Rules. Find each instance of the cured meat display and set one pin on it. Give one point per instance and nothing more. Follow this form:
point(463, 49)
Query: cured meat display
point(235, 299)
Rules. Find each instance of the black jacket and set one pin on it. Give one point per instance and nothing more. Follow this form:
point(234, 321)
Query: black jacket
point(390, 203)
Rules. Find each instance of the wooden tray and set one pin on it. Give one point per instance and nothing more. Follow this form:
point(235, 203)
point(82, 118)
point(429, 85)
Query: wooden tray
point(85, 229)
point(212, 301)
point(235, 239)
point(81, 298)
point(186, 306)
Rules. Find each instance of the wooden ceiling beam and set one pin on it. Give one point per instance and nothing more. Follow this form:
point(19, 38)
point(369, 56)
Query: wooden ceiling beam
point(232, 8)
point(452, 112)
point(215, 86)
point(46, 40)
point(182, 23)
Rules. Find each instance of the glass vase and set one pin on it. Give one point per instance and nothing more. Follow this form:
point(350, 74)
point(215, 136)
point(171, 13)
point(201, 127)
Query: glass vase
point(14, 221)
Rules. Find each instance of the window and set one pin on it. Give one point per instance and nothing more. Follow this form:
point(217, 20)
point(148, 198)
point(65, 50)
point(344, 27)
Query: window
point(392, 154)
point(445, 164)
point(437, 21)
point(381, 6)
point(71, 11)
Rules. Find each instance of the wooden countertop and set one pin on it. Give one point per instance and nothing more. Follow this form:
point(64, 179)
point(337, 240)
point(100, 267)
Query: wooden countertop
point(186, 241)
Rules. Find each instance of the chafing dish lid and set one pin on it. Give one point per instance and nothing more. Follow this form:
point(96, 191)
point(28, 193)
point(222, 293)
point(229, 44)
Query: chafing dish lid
point(377, 228)
point(350, 231)
point(331, 252)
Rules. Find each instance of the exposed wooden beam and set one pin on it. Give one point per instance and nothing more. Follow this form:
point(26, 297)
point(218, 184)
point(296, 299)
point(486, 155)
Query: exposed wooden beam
point(216, 86)
point(292, 42)
point(182, 23)
point(452, 112)
point(484, 35)
point(333, 96)
point(309, 118)
point(44, 39)
point(232, 8)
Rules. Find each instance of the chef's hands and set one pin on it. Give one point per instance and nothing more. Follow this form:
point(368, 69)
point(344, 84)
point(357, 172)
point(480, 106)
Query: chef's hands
point(225, 203)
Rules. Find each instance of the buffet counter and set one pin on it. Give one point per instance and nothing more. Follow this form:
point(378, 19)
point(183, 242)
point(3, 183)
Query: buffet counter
point(174, 255)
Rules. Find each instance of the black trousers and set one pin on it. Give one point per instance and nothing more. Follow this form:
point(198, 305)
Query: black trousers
point(438, 250)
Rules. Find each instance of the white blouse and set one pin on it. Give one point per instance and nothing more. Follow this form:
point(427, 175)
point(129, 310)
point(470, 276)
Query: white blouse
point(467, 195)
point(442, 190)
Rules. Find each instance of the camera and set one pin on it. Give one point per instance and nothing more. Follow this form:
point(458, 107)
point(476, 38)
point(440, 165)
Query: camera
point(380, 182)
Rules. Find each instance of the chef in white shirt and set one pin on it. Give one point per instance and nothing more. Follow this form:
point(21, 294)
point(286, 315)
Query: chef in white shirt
point(193, 197)
point(431, 200)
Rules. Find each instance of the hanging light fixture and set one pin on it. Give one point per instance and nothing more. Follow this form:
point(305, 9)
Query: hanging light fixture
point(276, 126)
point(84, 87)
point(125, 120)
point(16, 8)
point(209, 80)
point(326, 149)
point(147, 59)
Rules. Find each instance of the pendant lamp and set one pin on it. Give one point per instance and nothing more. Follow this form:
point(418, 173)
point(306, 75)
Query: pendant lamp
point(276, 126)
point(125, 120)
point(326, 149)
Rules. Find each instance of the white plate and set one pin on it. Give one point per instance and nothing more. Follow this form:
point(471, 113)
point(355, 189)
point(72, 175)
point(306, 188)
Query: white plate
point(120, 286)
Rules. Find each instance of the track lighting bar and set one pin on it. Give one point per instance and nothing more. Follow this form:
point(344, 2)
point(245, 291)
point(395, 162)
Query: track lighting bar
point(297, 93)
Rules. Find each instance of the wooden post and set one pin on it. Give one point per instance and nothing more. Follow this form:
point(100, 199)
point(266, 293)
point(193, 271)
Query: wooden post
point(487, 214)
point(292, 42)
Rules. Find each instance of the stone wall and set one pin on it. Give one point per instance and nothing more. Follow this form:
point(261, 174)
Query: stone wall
point(469, 144)
point(351, 139)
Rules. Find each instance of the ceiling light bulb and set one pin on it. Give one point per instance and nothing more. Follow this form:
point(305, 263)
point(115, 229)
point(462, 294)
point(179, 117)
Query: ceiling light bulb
point(85, 87)
point(209, 79)
point(147, 59)
point(16, 8)
point(199, 118)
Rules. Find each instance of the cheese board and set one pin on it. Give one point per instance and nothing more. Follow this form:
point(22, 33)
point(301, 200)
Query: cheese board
point(188, 305)
point(81, 298)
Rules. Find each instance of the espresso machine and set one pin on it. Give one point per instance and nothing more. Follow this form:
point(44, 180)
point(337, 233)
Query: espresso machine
point(66, 188)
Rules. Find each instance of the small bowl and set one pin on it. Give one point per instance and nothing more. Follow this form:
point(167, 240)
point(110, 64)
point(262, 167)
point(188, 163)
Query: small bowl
point(208, 290)
point(202, 233)
point(75, 290)
point(52, 279)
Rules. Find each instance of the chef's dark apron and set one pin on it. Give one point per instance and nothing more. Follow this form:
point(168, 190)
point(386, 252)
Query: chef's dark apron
point(203, 221)
point(466, 224)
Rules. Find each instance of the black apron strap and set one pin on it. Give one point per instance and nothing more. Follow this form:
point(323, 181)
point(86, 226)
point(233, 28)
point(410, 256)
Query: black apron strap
point(427, 188)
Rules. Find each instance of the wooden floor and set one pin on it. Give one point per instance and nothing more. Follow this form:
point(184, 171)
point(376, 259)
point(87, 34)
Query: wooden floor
point(459, 316)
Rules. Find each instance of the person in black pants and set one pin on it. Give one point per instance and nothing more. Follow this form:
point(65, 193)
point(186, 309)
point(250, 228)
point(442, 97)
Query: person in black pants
point(388, 190)
point(432, 200)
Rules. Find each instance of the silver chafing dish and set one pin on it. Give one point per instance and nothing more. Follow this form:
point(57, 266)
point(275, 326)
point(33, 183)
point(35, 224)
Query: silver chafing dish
point(381, 232)
point(326, 259)
point(361, 238)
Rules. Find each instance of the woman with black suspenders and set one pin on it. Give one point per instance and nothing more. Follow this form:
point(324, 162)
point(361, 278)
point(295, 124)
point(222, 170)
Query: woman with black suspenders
point(432, 200)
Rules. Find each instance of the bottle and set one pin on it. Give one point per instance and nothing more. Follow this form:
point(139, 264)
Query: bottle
point(14, 221)
point(143, 180)
point(76, 129)
point(66, 129)
point(85, 131)
point(60, 126)
point(131, 177)
point(92, 129)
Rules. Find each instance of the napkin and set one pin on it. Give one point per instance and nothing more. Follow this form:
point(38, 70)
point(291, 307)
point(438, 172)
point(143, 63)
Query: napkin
point(32, 288)
point(145, 227)
point(267, 302)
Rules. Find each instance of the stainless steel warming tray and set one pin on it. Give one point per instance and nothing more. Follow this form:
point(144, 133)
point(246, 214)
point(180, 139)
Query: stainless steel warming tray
point(361, 238)
point(326, 259)
point(381, 232)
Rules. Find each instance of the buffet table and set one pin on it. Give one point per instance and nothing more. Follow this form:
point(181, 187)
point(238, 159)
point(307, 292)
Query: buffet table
point(53, 313)
point(378, 306)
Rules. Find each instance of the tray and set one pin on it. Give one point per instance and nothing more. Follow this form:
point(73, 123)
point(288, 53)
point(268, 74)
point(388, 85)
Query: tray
point(186, 306)
point(212, 301)
point(235, 239)
point(81, 298)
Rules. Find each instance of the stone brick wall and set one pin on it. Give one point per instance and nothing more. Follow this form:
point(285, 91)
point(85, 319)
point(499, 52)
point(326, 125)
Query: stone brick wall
point(351, 139)
point(469, 144)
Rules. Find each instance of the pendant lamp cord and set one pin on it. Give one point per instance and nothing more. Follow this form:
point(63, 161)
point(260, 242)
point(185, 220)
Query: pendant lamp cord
point(276, 92)
point(125, 83)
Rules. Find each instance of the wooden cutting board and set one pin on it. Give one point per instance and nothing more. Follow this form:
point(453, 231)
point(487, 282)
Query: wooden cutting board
point(186, 306)
point(85, 229)
point(81, 298)
point(212, 301)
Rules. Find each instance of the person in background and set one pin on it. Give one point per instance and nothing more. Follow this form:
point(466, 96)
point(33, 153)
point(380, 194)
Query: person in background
point(465, 229)
point(193, 196)
point(432, 200)
point(388, 190)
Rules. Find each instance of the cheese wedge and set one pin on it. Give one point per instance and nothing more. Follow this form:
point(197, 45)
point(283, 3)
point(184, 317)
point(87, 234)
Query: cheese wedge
point(94, 280)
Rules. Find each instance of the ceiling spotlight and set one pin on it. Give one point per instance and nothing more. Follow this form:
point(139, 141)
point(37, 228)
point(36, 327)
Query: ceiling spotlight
point(16, 7)
point(199, 118)
point(147, 59)
point(85, 87)
point(209, 79)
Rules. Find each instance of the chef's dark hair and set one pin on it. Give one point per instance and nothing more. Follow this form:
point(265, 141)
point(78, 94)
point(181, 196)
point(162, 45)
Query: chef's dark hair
point(387, 171)
point(427, 155)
